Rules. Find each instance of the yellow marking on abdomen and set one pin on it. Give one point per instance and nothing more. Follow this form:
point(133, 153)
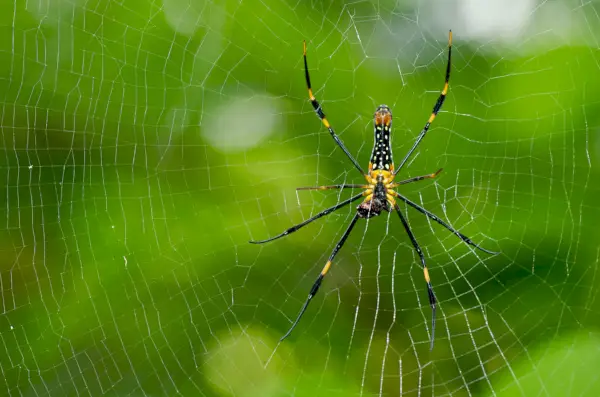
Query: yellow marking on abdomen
point(310, 94)
point(426, 274)
point(326, 123)
point(431, 118)
point(326, 268)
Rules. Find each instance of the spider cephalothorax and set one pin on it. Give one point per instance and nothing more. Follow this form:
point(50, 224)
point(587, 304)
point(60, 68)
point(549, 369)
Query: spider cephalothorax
point(379, 194)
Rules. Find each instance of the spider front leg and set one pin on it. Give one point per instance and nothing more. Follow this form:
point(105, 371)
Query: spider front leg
point(317, 284)
point(321, 114)
point(436, 107)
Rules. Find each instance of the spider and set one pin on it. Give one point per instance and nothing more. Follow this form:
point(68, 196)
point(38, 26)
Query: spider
point(378, 193)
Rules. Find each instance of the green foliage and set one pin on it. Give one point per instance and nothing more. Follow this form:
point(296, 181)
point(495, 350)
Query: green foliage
point(125, 266)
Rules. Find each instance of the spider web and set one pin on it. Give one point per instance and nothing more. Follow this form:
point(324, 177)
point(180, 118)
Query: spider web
point(145, 142)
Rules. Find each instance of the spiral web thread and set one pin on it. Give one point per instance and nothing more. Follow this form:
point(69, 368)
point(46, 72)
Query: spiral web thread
point(146, 142)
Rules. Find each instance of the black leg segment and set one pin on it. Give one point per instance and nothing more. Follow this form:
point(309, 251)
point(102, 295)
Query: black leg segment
point(309, 220)
point(436, 107)
point(323, 118)
point(317, 284)
point(431, 295)
point(441, 222)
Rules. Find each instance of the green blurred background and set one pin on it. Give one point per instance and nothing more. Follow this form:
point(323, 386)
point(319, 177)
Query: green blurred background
point(145, 142)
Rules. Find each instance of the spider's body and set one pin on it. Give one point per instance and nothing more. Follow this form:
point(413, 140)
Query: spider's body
point(381, 168)
point(379, 194)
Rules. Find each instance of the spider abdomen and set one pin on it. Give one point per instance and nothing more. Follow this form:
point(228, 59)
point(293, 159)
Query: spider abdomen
point(374, 206)
point(369, 209)
point(381, 158)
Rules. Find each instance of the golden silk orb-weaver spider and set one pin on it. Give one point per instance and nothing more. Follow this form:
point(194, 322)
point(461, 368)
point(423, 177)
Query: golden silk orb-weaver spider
point(379, 194)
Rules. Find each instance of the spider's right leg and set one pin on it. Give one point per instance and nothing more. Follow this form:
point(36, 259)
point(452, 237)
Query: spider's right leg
point(415, 179)
point(434, 217)
point(436, 107)
point(432, 300)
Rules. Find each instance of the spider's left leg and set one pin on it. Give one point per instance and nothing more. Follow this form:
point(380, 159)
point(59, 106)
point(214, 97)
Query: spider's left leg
point(319, 280)
point(321, 115)
point(432, 300)
point(441, 222)
point(309, 220)
point(333, 187)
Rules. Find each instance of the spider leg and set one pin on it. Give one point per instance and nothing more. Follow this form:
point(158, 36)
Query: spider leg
point(319, 280)
point(432, 300)
point(321, 115)
point(416, 178)
point(441, 222)
point(306, 222)
point(436, 108)
point(333, 187)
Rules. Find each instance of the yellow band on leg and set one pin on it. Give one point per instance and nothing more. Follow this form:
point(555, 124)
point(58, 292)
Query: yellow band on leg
point(326, 268)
